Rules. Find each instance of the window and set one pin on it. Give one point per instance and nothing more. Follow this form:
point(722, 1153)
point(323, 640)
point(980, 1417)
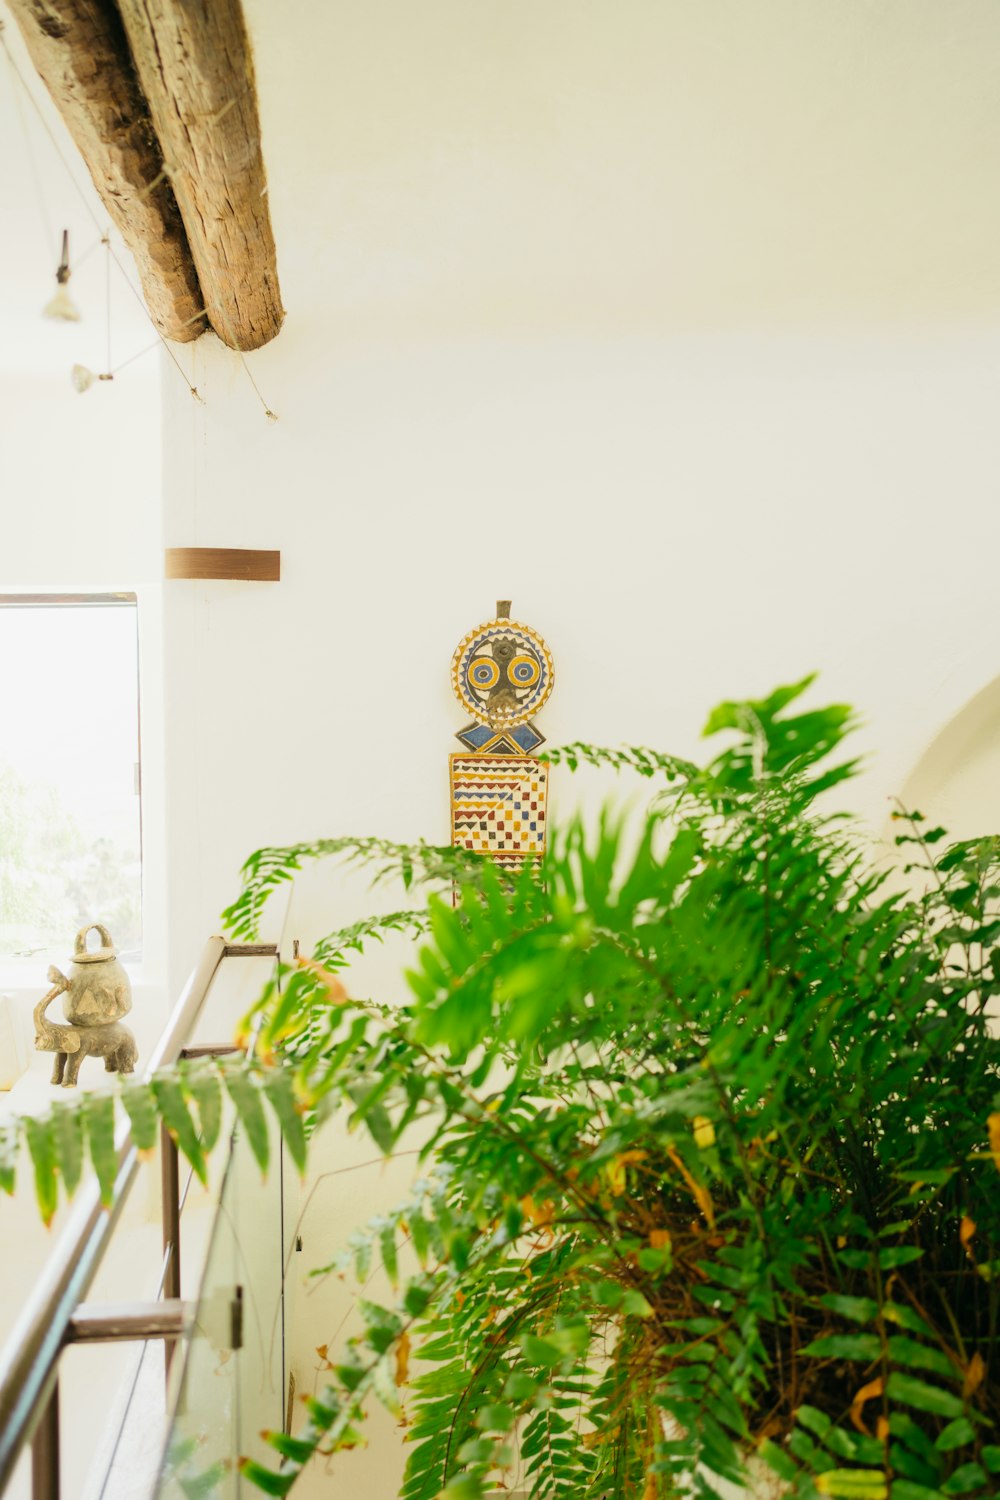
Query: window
point(70, 826)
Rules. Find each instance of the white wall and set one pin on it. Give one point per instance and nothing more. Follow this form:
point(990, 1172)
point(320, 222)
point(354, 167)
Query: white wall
point(678, 325)
point(683, 518)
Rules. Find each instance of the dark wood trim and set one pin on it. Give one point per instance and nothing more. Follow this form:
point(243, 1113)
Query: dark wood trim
point(241, 563)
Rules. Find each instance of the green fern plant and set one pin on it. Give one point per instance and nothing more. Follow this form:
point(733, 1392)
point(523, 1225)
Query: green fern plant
point(711, 1125)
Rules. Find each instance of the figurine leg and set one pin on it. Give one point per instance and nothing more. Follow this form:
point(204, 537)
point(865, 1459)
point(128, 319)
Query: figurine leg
point(58, 1066)
point(72, 1070)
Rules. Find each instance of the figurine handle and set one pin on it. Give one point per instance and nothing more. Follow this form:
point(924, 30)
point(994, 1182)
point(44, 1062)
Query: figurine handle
point(81, 937)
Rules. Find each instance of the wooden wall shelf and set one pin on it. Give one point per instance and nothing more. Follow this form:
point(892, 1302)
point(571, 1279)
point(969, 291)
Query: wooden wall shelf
point(241, 563)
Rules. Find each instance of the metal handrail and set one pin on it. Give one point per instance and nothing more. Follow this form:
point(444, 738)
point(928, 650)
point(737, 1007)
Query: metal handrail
point(28, 1361)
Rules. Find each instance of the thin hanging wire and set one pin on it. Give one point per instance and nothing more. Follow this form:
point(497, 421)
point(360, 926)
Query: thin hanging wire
point(272, 416)
point(29, 150)
point(128, 282)
point(48, 131)
point(107, 298)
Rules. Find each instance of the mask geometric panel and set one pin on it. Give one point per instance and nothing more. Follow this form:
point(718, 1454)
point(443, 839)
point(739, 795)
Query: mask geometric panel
point(502, 673)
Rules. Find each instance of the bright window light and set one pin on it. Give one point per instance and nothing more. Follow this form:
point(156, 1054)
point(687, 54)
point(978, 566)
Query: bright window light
point(70, 824)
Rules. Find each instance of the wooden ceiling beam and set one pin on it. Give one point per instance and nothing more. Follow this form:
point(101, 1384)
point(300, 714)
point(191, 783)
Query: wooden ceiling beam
point(195, 68)
point(81, 53)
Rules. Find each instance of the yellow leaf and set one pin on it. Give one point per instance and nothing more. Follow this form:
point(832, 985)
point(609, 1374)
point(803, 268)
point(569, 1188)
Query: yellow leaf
point(866, 1393)
point(882, 1429)
point(616, 1170)
point(403, 1358)
point(540, 1215)
point(659, 1239)
point(704, 1132)
point(335, 992)
point(700, 1194)
point(993, 1125)
point(649, 1493)
point(965, 1235)
point(974, 1375)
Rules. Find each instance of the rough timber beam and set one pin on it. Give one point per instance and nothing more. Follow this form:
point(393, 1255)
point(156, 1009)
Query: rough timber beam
point(196, 71)
point(79, 50)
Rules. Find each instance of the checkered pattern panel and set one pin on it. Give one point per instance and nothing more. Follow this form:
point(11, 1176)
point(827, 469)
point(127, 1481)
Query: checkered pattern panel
point(498, 805)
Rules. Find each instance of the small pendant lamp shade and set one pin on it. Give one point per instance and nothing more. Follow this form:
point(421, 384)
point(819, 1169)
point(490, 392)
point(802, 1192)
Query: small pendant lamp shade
point(62, 306)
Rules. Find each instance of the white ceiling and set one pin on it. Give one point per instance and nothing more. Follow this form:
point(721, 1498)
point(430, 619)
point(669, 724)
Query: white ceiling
point(645, 164)
point(450, 166)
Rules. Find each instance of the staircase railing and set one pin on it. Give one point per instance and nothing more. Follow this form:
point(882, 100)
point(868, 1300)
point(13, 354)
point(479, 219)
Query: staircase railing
point(56, 1314)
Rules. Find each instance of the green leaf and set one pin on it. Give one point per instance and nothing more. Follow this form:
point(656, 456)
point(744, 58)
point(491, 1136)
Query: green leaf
point(898, 1255)
point(416, 1299)
point(280, 1088)
point(387, 1243)
point(858, 1309)
point(9, 1138)
point(635, 1304)
point(296, 1450)
point(68, 1140)
point(916, 1393)
point(420, 1235)
point(141, 1109)
point(956, 1435)
point(495, 1418)
point(266, 1479)
point(380, 1128)
point(99, 1110)
point(863, 1346)
point(245, 1094)
point(465, 1487)
point(903, 1351)
point(201, 1486)
point(43, 1156)
point(991, 1458)
point(202, 1083)
point(541, 1352)
point(853, 1484)
point(173, 1108)
point(384, 1386)
point(905, 1317)
point(968, 1477)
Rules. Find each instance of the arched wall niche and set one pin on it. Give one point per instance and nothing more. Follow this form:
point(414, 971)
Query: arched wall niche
point(956, 781)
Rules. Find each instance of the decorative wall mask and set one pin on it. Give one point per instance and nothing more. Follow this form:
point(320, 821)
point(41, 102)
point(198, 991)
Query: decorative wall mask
point(502, 674)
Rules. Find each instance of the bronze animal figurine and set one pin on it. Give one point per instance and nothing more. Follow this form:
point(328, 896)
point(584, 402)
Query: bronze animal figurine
point(71, 1044)
point(96, 995)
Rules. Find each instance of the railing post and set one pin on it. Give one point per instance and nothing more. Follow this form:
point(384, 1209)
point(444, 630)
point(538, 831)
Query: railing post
point(171, 1215)
point(45, 1451)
